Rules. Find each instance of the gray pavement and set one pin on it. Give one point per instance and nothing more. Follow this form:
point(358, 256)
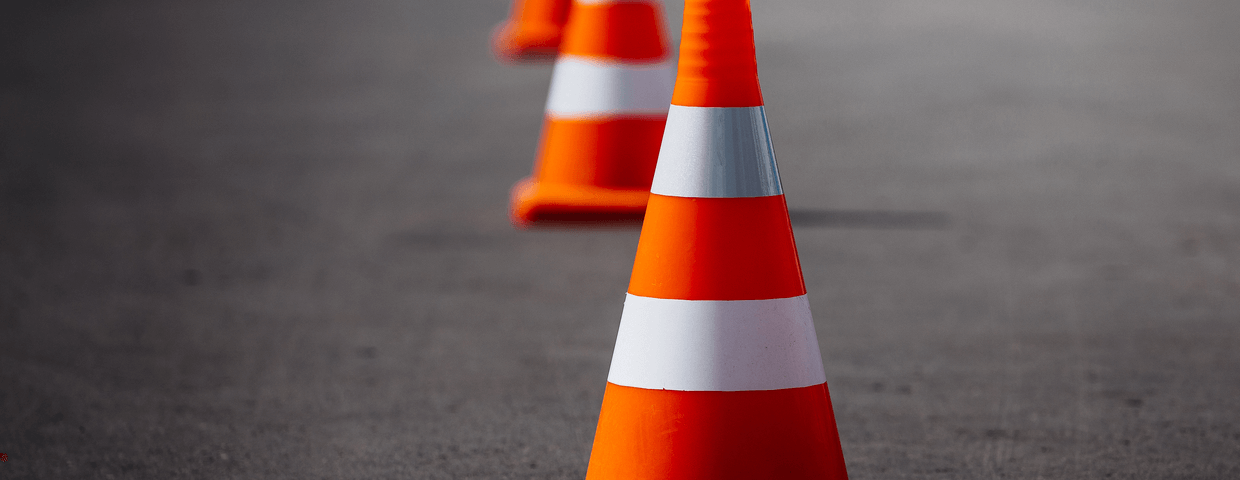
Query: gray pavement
point(269, 240)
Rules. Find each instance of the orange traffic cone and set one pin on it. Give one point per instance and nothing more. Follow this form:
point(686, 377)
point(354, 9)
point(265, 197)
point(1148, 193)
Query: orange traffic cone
point(532, 32)
point(716, 372)
point(605, 117)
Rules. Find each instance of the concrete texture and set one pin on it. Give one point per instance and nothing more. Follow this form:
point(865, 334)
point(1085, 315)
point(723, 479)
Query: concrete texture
point(269, 240)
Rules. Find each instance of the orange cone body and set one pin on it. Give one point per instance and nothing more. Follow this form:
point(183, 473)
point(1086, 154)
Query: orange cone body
point(533, 31)
point(604, 118)
point(716, 372)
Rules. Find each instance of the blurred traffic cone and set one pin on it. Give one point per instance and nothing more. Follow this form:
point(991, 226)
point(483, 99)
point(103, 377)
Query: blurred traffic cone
point(532, 32)
point(716, 371)
point(605, 117)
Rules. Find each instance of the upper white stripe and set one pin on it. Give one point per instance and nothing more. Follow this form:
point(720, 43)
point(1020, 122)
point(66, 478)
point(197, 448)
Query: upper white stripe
point(716, 345)
point(716, 152)
point(582, 87)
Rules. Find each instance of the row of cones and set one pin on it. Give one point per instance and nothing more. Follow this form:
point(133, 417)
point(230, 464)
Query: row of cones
point(716, 371)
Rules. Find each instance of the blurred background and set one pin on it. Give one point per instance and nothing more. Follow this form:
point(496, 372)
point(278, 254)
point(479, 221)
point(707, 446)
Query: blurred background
point(270, 240)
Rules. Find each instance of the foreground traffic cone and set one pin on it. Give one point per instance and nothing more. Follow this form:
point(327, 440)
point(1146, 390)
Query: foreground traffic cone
point(532, 33)
point(716, 372)
point(605, 117)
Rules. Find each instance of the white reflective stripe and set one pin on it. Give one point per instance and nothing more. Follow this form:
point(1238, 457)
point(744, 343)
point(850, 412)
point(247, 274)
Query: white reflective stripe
point(716, 345)
point(716, 152)
point(582, 87)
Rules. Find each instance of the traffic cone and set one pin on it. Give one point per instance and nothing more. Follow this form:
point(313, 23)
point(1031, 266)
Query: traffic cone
point(532, 32)
point(604, 119)
point(716, 372)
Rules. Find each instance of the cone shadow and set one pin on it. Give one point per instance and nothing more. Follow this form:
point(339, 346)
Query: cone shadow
point(869, 219)
point(586, 220)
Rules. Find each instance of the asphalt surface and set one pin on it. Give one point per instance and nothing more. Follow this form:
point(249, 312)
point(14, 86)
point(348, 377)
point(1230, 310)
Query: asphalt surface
point(269, 240)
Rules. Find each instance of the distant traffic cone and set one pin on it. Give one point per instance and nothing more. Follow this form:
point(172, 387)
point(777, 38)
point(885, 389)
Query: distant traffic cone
point(716, 372)
point(532, 33)
point(605, 117)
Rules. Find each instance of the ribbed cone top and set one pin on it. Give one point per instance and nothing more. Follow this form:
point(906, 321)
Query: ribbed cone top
point(541, 12)
point(718, 64)
point(624, 31)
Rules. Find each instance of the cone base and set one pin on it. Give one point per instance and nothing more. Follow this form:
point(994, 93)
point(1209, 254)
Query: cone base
point(514, 42)
point(712, 435)
point(537, 203)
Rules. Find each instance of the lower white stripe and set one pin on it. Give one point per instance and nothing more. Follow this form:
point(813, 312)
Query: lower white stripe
point(582, 87)
point(716, 152)
point(716, 345)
